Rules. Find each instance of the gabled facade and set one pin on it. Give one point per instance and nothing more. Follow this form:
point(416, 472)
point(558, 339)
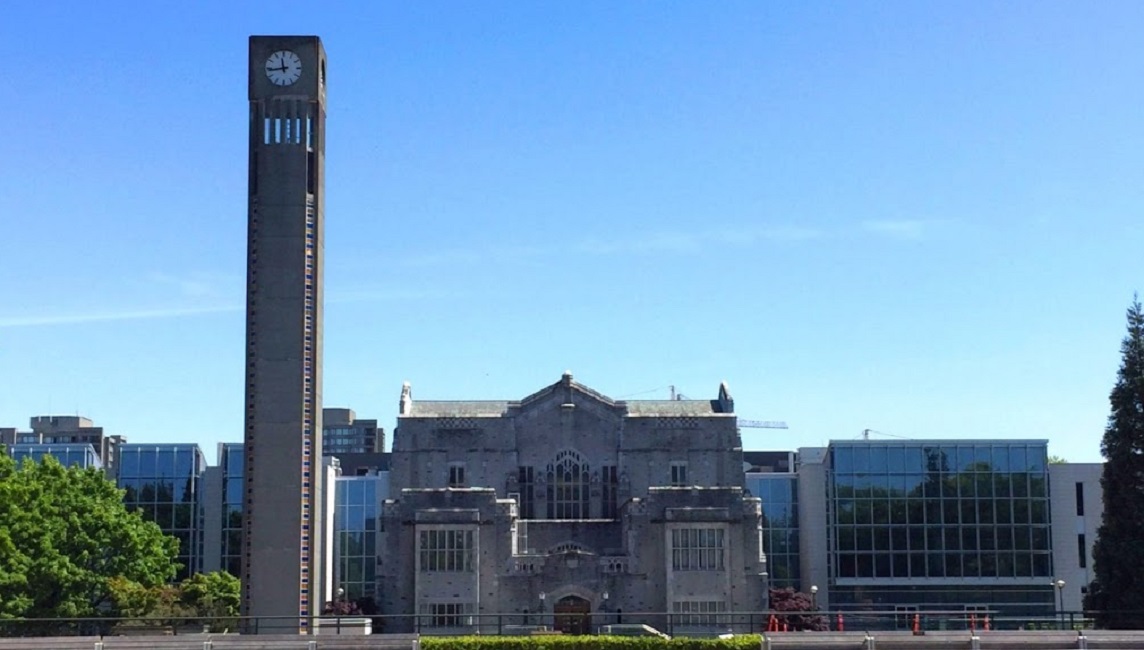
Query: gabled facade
point(569, 508)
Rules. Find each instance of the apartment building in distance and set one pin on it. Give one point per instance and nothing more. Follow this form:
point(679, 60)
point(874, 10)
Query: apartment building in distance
point(343, 433)
point(67, 430)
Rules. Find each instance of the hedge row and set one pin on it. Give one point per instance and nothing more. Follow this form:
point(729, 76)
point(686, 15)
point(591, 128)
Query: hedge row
point(587, 642)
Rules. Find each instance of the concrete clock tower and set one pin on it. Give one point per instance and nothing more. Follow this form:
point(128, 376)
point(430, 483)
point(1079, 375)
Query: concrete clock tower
point(282, 484)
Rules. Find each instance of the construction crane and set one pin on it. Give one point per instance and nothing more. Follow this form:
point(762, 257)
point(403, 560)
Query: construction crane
point(677, 396)
point(866, 434)
point(762, 424)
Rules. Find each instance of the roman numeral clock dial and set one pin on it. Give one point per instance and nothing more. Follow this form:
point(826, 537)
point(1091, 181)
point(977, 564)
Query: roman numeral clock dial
point(283, 68)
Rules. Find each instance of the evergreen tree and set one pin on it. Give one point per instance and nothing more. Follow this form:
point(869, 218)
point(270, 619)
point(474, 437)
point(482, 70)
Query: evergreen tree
point(1116, 595)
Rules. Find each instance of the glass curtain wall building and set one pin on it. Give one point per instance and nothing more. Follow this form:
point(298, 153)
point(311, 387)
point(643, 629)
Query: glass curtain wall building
point(779, 494)
point(230, 460)
point(68, 454)
point(940, 525)
point(162, 481)
point(358, 503)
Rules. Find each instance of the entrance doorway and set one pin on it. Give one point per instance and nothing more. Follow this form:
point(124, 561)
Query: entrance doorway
point(572, 615)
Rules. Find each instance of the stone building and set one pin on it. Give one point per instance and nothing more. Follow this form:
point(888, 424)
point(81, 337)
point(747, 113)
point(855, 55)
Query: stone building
point(569, 509)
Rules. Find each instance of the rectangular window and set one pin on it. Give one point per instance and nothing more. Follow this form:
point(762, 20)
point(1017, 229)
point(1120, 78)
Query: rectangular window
point(457, 475)
point(1080, 500)
point(609, 491)
point(525, 480)
point(446, 550)
point(1082, 557)
point(698, 613)
point(697, 549)
point(678, 473)
point(446, 614)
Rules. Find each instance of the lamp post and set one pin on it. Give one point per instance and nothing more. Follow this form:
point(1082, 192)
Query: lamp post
point(540, 619)
point(604, 607)
point(814, 596)
point(1060, 585)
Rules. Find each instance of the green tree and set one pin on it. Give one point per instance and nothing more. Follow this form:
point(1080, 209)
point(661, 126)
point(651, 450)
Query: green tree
point(213, 597)
point(65, 535)
point(1116, 595)
point(154, 606)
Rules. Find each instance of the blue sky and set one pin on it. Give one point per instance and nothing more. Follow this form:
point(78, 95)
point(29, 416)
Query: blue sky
point(917, 218)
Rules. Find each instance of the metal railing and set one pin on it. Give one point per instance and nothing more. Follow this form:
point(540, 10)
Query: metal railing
point(517, 623)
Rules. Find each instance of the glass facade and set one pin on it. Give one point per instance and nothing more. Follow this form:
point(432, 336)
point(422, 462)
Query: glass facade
point(357, 505)
point(230, 458)
point(68, 455)
point(779, 494)
point(162, 482)
point(930, 523)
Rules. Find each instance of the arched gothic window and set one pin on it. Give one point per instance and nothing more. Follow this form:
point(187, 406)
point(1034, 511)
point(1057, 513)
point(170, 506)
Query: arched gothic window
point(568, 481)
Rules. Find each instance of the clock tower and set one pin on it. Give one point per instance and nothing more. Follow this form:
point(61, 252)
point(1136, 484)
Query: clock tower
point(282, 481)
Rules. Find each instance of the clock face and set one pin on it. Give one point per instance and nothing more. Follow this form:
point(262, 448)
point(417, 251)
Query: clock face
point(283, 68)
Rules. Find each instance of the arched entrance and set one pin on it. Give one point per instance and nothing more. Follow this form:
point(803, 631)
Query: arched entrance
point(573, 615)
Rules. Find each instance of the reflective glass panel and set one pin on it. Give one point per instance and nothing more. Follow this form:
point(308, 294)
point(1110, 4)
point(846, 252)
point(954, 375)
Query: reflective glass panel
point(896, 459)
point(877, 459)
point(843, 460)
point(1001, 459)
point(915, 460)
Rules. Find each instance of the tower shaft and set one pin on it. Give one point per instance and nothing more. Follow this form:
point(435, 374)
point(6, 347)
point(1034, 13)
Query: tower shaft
point(282, 582)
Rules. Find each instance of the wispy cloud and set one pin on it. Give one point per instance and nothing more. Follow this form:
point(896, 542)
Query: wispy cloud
point(197, 284)
point(909, 229)
point(356, 296)
point(351, 296)
point(664, 242)
point(762, 234)
point(106, 316)
point(691, 242)
point(473, 255)
point(638, 243)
